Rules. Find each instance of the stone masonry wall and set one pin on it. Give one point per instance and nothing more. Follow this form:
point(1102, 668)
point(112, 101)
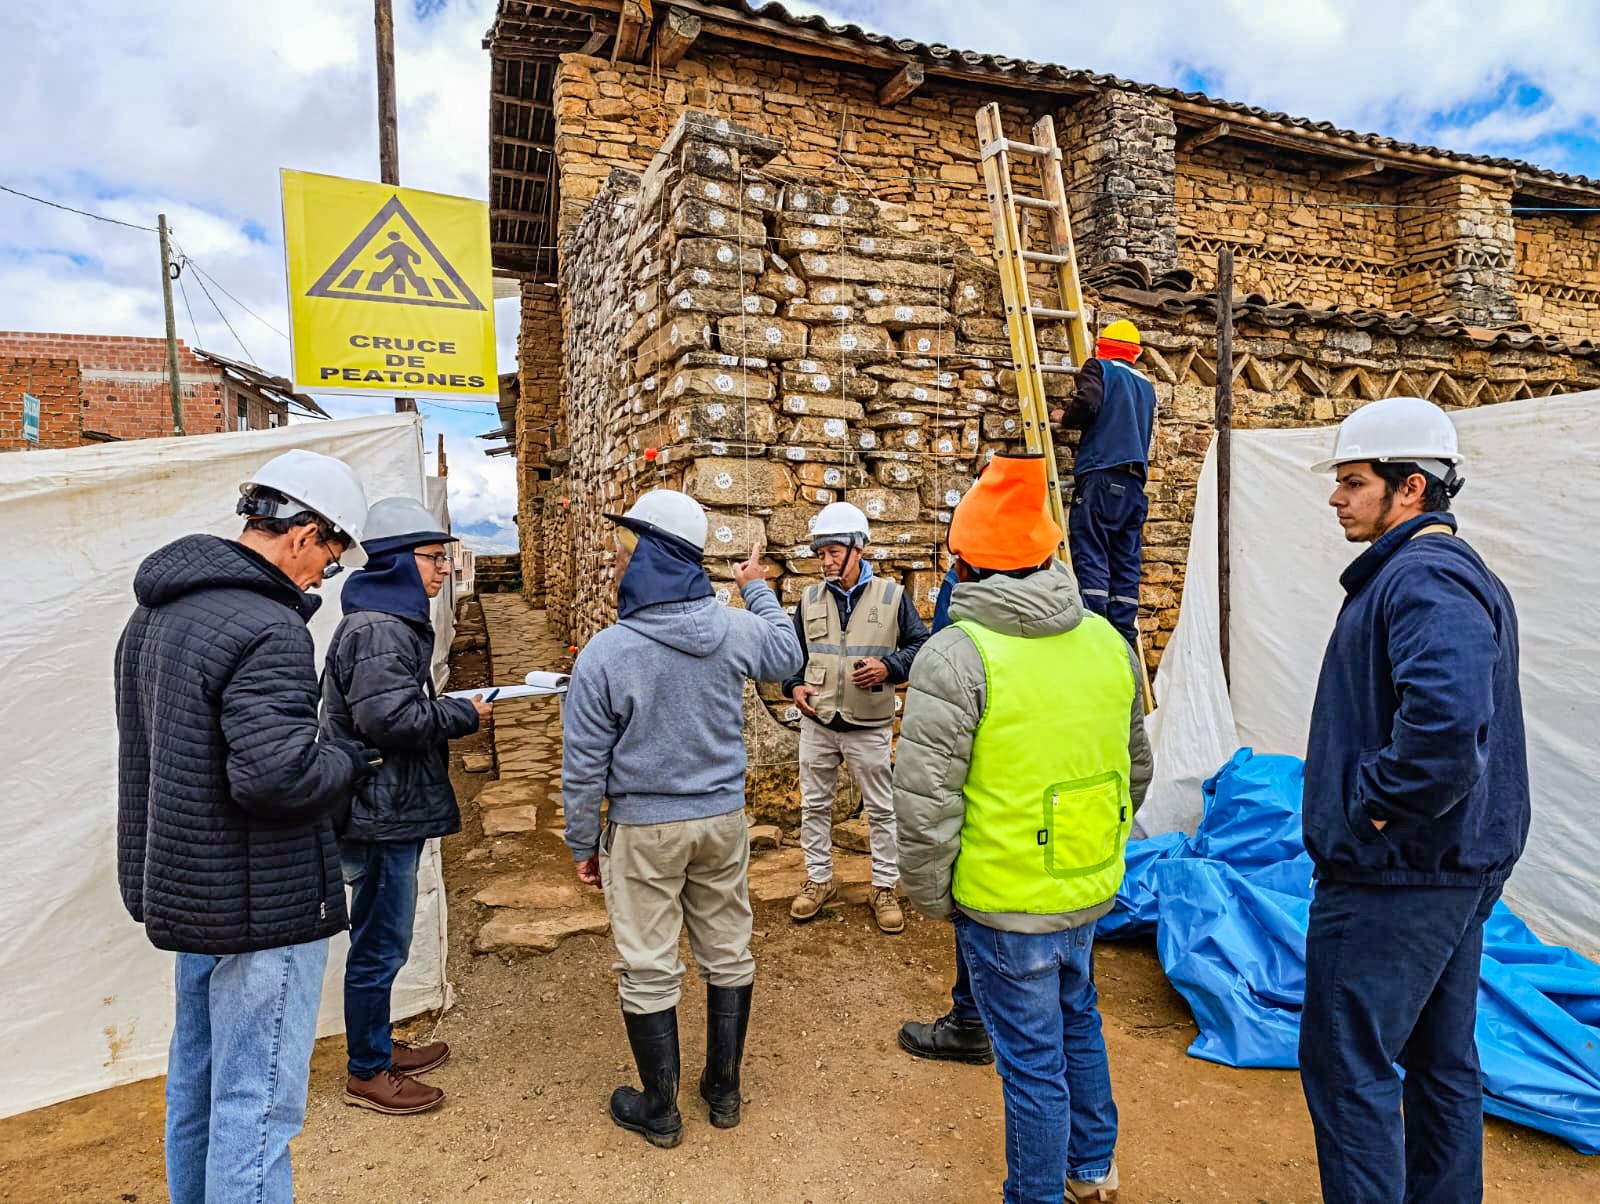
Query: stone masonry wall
point(921, 154)
point(1289, 241)
point(1459, 245)
point(783, 345)
point(1557, 279)
point(538, 416)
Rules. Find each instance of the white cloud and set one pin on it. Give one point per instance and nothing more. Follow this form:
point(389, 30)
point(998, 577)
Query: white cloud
point(189, 107)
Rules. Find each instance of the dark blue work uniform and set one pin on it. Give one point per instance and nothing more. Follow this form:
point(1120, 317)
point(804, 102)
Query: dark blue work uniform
point(1417, 724)
point(1116, 407)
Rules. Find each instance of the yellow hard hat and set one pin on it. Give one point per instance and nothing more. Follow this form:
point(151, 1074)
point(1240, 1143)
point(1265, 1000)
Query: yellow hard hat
point(1123, 331)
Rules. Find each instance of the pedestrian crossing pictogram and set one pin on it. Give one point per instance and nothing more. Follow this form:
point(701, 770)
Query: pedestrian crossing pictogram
point(393, 260)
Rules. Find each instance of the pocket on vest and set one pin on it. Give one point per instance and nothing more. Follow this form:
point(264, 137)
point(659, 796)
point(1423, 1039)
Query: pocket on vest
point(1082, 825)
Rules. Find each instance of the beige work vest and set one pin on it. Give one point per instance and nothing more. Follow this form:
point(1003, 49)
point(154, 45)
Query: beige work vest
point(832, 653)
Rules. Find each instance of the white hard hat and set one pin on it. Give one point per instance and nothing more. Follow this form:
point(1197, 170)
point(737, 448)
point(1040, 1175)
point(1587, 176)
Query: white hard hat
point(840, 522)
point(326, 486)
point(1397, 429)
point(667, 512)
point(405, 520)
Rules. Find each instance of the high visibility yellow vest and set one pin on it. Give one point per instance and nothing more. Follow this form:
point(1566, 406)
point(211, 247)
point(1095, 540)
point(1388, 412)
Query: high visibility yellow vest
point(831, 651)
point(1047, 805)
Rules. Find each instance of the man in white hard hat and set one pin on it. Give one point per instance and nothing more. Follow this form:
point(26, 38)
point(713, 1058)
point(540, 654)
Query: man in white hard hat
point(225, 814)
point(1416, 809)
point(653, 722)
point(860, 634)
point(377, 690)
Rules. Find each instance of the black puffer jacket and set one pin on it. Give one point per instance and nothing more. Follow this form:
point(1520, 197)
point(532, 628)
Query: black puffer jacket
point(224, 794)
point(377, 688)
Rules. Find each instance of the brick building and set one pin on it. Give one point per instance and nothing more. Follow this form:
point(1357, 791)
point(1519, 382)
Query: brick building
point(788, 293)
point(100, 388)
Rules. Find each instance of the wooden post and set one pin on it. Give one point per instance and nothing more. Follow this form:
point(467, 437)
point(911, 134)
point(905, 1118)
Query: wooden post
point(441, 465)
point(388, 120)
point(172, 327)
point(1224, 424)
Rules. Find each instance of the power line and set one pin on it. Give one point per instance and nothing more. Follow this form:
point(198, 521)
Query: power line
point(422, 401)
point(193, 325)
point(110, 221)
point(223, 316)
point(189, 258)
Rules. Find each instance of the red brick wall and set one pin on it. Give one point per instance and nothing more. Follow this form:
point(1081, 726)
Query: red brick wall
point(55, 383)
point(124, 383)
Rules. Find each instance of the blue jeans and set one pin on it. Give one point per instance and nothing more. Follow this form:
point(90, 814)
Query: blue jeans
point(383, 876)
point(1105, 531)
point(962, 1005)
point(237, 1072)
point(1392, 976)
point(1038, 1003)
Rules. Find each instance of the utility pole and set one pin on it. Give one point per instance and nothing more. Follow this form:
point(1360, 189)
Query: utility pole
point(388, 120)
point(172, 326)
point(1224, 424)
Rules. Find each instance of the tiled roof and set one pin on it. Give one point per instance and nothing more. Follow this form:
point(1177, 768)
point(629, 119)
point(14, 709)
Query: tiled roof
point(1023, 72)
point(1173, 293)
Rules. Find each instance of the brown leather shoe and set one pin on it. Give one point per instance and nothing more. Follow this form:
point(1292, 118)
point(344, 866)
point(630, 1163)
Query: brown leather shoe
point(391, 1093)
point(419, 1059)
point(886, 910)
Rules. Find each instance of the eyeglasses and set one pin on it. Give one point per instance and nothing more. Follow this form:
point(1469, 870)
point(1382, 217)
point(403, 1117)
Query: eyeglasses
point(441, 560)
point(333, 568)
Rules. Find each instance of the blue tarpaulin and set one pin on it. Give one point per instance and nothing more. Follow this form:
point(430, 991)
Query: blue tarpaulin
point(1228, 908)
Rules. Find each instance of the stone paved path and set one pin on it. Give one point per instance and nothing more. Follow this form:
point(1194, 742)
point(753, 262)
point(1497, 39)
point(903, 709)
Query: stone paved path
point(534, 902)
point(529, 908)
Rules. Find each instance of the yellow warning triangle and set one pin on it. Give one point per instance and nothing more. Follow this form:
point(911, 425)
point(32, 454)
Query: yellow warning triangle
point(393, 260)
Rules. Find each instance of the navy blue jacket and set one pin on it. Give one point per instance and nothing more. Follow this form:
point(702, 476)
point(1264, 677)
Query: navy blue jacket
point(1418, 721)
point(1116, 407)
point(225, 796)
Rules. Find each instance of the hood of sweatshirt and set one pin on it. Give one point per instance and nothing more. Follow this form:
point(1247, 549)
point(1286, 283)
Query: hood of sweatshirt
point(697, 628)
point(198, 562)
point(391, 584)
point(1040, 604)
point(661, 569)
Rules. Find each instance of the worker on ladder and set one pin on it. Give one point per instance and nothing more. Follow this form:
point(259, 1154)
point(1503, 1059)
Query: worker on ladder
point(860, 634)
point(1115, 407)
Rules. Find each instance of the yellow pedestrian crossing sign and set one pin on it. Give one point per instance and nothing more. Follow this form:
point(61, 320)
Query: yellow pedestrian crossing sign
point(390, 289)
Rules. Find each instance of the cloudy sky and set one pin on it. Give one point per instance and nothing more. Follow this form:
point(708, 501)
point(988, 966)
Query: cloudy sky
point(189, 107)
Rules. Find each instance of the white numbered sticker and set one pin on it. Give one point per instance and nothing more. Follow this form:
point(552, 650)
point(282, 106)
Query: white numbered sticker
point(723, 480)
point(833, 427)
point(724, 382)
point(718, 219)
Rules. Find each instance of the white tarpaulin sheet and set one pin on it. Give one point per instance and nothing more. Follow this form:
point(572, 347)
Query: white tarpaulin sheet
point(1530, 508)
point(85, 1001)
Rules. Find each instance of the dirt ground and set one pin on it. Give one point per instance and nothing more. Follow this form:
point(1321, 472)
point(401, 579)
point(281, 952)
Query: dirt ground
point(835, 1110)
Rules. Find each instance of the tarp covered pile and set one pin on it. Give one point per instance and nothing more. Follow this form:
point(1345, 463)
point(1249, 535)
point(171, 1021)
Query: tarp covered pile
point(1229, 905)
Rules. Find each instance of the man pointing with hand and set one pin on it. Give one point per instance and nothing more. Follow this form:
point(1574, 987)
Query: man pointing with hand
point(654, 721)
point(859, 634)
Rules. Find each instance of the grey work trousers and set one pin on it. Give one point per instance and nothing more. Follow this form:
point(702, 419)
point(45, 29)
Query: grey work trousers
point(867, 752)
point(660, 879)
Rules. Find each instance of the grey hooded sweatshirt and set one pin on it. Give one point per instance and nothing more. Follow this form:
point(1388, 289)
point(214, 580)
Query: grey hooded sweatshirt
point(946, 703)
point(654, 714)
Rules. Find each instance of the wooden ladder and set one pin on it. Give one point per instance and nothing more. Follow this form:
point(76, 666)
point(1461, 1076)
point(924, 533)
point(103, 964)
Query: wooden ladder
point(1013, 255)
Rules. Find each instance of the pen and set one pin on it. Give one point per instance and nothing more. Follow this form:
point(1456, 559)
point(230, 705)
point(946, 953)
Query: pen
point(492, 694)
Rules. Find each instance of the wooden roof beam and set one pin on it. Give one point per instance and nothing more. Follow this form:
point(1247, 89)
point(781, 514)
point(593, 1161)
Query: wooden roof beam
point(1206, 136)
point(902, 83)
point(633, 32)
point(1365, 167)
point(677, 33)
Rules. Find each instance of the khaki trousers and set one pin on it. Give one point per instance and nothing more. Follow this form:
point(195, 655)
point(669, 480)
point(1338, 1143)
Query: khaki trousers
point(867, 751)
point(663, 878)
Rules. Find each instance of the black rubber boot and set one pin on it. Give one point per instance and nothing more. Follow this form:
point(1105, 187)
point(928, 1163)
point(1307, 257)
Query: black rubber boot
point(727, 1019)
point(947, 1039)
point(653, 1112)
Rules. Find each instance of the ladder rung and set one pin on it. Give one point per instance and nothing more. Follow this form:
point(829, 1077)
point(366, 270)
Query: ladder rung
point(1023, 148)
point(1059, 369)
point(1045, 257)
point(1035, 202)
point(1062, 315)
